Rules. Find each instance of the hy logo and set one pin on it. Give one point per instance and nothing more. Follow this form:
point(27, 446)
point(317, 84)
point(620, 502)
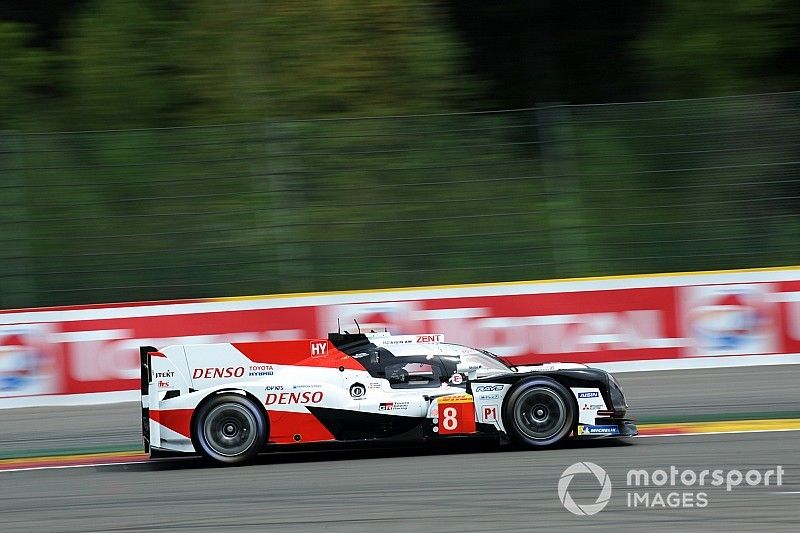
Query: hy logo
point(590, 508)
point(319, 349)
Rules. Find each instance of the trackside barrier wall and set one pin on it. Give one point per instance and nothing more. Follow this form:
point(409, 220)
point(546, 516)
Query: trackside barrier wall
point(669, 318)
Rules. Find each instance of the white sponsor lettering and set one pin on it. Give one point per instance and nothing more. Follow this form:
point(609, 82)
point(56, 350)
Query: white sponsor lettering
point(319, 349)
point(286, 398)
point(450, 418)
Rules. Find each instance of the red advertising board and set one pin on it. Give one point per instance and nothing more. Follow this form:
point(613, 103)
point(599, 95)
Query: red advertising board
point(95, 348)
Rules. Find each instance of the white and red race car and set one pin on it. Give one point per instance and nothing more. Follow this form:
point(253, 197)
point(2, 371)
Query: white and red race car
point(229, 402)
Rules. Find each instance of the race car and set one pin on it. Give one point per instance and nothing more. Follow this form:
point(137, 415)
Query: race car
point(228, 402)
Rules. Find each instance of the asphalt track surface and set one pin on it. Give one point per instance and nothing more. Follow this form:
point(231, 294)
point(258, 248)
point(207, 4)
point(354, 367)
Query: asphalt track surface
point(434, 488)
point(443, 489)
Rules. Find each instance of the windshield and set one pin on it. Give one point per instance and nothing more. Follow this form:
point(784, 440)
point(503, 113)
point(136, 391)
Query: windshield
point(489, 363)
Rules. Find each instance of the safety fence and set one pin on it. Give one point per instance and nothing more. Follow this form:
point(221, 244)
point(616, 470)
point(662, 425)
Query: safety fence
point(274, 207)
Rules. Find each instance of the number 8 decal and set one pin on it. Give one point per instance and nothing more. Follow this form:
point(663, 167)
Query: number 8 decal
point(450, 418)
point(457, 416)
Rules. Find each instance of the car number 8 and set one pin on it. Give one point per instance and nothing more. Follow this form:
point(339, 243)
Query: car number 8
point(450, 418)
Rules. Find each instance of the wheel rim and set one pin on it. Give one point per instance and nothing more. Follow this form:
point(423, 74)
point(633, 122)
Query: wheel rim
point(540, 413)
point(229, 429)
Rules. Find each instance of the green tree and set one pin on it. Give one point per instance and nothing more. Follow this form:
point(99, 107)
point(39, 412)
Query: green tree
point(119, 68)
point(145, 63)
point(105, 203)
point(23, 72)
point(706, 48)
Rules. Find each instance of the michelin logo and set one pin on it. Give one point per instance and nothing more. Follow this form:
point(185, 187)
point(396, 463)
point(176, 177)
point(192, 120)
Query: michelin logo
point(598, 430)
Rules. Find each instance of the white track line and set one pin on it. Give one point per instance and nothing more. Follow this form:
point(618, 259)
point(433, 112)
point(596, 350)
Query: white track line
point(70, 400)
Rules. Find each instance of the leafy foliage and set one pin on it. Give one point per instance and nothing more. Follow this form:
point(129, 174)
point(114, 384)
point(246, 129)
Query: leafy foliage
point(234, 147)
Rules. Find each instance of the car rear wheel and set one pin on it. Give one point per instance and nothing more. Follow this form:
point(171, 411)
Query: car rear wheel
point(229, 429)
point(539, 412)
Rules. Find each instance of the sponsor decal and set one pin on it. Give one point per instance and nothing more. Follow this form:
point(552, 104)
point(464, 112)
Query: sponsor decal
point(430, 338)
point(456, 398)
point(28, 361)
point(358, 391)
point(78, 353)
point(456, 379)
point(592, 406)
point(163, 384)
point(319, 349)
point(165, 374)
point(393, 406)
point(489, 397)
point(217, 372)
point(273, 387)
point(588, 395)
point(456, 417)
point(489, 388)
point(260, 370)
point(597, 430)
point(296, 398)
point(730, 319)
point(375, 385)
point(308, 386)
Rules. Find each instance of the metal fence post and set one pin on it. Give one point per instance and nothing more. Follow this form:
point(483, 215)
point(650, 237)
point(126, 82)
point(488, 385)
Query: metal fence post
point(17, 287)
point(563, 189)
point(294, 272)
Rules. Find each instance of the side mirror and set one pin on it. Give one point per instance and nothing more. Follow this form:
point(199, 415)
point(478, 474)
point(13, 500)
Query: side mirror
point(470, 370)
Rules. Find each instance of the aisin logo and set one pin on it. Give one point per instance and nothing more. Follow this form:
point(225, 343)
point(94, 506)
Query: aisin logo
point(590, 508)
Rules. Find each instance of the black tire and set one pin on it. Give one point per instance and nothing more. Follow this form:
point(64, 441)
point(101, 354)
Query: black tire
point(538, 413)
point(229, 429)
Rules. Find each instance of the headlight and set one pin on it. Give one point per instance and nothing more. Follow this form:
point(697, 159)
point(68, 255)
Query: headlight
point(617, 396)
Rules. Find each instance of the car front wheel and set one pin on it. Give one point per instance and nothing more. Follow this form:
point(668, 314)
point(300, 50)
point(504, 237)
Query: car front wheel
point(539, 412)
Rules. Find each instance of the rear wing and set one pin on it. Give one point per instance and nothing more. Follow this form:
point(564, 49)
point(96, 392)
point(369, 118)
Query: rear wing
point(146, 378)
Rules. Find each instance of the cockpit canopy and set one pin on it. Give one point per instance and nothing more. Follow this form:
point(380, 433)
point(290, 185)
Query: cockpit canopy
point(417, 364)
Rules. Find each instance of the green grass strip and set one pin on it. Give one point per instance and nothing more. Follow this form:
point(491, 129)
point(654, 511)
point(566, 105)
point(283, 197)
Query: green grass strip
point(59, 452)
